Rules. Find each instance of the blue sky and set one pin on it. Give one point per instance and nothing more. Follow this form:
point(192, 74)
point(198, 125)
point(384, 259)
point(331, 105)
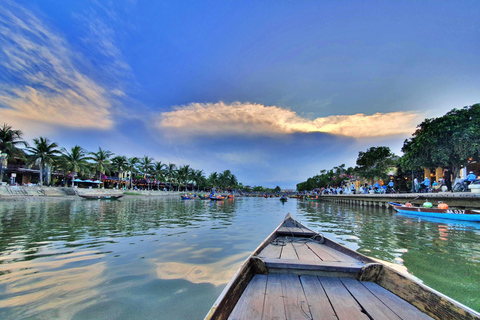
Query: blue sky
point(273, 91)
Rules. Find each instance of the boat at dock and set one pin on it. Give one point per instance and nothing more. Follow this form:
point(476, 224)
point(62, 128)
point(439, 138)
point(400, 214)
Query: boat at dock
point(297, 273)
point(455, 214)
point(101, 196)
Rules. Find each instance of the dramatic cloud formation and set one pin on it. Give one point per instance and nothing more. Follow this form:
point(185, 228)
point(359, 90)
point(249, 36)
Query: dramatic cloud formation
point(43, 82)
point(252, 119)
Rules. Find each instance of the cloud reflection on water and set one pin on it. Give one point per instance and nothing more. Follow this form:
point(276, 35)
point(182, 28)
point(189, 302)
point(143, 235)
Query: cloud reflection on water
point(216, 273)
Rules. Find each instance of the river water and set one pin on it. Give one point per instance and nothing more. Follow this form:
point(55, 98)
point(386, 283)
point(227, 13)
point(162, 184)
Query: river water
point(142, 258)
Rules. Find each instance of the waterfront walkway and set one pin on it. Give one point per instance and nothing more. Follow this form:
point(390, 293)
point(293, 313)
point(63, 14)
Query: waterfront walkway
point(456, 199)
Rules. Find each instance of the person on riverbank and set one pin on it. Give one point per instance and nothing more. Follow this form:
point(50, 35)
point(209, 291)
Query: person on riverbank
point(470, 178)
point(447, 178)
point(425, 185)
point(415, 185)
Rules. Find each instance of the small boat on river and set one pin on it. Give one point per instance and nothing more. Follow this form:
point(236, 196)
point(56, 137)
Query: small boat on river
point(187, 197)
point(217, 198)
point(297, 273)
point(101, 196)
point(204, 197)
point(456, 214)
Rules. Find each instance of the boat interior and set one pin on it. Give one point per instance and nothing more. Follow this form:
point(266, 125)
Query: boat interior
point(298, 274)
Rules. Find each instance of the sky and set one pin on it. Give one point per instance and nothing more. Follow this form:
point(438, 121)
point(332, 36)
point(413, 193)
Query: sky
point(274, 91)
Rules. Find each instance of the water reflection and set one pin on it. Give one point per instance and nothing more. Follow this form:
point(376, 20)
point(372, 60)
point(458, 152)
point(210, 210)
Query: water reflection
point(140, 257)
point(443, 253)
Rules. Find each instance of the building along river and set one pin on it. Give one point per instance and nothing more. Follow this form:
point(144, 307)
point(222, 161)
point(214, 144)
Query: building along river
point(153, 257)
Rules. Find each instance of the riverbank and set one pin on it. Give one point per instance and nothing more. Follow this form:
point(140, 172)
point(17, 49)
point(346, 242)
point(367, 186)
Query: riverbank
point(463, 200)
point(32, 192)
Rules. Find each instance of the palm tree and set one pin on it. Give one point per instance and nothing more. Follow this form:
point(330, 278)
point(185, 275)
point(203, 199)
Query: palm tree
point(233, 181)
point(132, 167)
point(184, 175)
point(74, 161)
point(159, 171)
point(199, 178)
point(43, 153)
point(213, 179)
point(9, 140)
point(171, 172)
point(146, 164)
point(120, 164)
point(224, 178)
point(102, 162)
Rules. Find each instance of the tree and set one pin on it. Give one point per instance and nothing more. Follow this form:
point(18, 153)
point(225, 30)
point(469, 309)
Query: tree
point(184, 175)
point(132, 167)
point(159, 171)
point(213, 180)
point(146, 166)
point(448, 141)
point(277, 189)
point(10, 140)
point(74, 161)
point(43, 153)
point(224, 179)
point(375, 162)
point(171, 172)
point(199, 179)
point(102, 162)
point(120, 164)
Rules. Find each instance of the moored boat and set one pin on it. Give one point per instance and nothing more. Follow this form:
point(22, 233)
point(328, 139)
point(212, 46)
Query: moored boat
point(297, 273)
point(101, 196)
point(456, 214)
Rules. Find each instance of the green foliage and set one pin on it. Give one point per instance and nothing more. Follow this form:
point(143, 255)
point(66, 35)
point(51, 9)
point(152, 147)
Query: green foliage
point(258, 189)
point(375, 163)
point(277, 189)
point(327, 178)
point(43, 153)
point(10, 140)
point(447, 141)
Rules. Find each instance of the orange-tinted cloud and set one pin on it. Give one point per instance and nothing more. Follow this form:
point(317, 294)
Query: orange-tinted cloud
point(252, 119)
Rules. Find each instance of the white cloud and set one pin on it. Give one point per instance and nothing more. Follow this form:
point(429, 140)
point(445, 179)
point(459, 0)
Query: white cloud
point(41, 80)
point(254, 119)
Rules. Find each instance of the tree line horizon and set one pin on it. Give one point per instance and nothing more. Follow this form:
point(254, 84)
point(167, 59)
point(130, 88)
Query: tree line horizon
point(450, 141)
point(78, 162)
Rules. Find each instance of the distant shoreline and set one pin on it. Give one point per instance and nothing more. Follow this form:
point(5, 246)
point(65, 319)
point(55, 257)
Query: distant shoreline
point(37, 192)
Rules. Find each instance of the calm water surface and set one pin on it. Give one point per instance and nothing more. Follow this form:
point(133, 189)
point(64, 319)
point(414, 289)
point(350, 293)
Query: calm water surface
point(141, 258)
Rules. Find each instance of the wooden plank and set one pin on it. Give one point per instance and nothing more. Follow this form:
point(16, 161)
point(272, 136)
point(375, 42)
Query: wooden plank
point(232, 293)
point(427, 300)
point(288, 264)
point(369, 302)
point(304, 252)
point(295, 231)
point(271, 251)
point(329, 254)
point(401, 307)
point(296, 305)
point(319, 305)
point(288, 251)
point(250, 304)
point(345, 306)
point(317, 248)
point(273, 308)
